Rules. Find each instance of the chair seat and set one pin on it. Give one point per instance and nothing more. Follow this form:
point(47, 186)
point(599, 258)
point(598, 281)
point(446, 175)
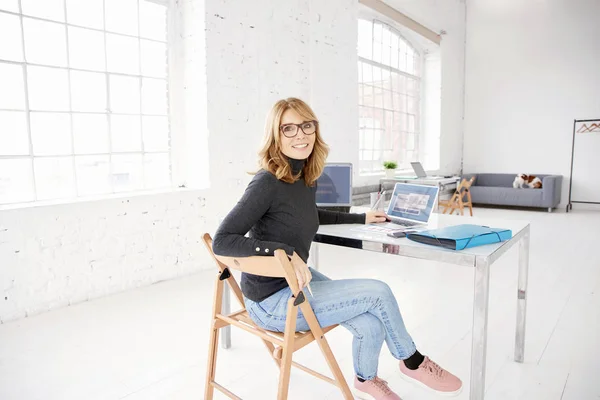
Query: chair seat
point(242, 320)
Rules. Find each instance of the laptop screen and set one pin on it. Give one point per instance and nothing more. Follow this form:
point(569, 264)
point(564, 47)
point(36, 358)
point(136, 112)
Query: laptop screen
point(334, 186)
point(414, 202)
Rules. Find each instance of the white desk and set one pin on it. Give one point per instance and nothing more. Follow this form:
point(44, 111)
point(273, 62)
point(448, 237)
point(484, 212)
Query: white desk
point(480, 258)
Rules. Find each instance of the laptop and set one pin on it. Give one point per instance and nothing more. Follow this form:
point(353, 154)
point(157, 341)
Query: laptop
point(411, 205)
point(419, 170)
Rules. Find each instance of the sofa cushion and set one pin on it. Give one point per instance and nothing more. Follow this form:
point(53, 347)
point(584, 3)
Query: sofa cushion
point(499, 180)
point(506, 196)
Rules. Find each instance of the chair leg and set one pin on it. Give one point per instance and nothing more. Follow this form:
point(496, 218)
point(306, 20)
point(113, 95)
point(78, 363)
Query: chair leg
point(316, 330)
point(212, 363)
point(470, 202)
point(213, 344)
point(288, 350)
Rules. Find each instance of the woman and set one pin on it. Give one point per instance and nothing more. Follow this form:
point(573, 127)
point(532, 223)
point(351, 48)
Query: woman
point(278, 209)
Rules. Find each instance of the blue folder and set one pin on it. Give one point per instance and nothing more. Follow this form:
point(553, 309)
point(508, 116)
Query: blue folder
point(460, 237)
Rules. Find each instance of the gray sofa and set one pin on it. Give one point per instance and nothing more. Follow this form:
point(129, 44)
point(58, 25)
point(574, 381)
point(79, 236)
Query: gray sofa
point(498, 189)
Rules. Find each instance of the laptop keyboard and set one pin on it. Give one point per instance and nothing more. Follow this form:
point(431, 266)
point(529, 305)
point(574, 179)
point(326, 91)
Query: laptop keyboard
point(403, 223)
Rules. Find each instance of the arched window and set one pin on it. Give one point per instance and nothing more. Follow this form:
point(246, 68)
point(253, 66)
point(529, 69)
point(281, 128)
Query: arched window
point(389, 86)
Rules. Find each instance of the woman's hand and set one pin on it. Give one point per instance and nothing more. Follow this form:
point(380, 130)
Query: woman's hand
point(375, 216)
point(301, 269)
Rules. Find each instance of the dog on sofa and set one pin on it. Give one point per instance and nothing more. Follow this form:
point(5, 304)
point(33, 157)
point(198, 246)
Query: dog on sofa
point(527, 181)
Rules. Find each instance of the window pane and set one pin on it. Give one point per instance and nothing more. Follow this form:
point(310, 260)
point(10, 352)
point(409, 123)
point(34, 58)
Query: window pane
point(54, 177)
point(86, 49)
point(377, 51)
point(411, 123)
point(10, 27)
point(365, 39)
point(394, 59)
point(387, 99)
point(47, 9)
point(125, 132)
point(360, 72)
point(9, 5)
point(377, 97)
point(410, 142)
point(377, 77)
point(88, 91)
point(401, 106)
point(122, 16)
point(396, 100)
point(410, 63)
point(367, 73)
point(154, 58)
point(154, 96)
point(12, 95)
point(88, 13)
point(48, 89)
point(93, 174)
point(153, 21)
point(124, 94)
point(402, 55)
point(387, 80)
point(386, 47)
point(13, 133)
point(45, 42)
point(156, 133)
point(127, 172)
point(15, 181)
point(157, 171)
point(360, 94)
point(412, 87)
point(377, 29)
point(51, 133)
point(368, 95)
point(412, 105)
point(122, 54)
point(90, 133)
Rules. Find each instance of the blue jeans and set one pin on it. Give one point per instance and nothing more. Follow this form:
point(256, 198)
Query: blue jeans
point(366, 307)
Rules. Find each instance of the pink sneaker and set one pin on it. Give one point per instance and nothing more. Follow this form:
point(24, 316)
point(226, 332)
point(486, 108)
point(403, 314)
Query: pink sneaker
point(374, 389)
point(431, 376)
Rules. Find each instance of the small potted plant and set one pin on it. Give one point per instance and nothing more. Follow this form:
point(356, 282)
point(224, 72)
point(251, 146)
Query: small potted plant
point(390, 168)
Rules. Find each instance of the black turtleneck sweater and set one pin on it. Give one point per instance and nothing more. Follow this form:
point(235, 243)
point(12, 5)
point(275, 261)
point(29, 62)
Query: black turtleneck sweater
point(277, 215)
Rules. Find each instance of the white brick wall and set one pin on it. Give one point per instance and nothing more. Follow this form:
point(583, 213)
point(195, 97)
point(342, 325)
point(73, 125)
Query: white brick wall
point(59, 255)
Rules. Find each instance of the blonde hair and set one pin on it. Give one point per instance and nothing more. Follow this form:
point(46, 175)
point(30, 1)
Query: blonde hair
point(272, 159)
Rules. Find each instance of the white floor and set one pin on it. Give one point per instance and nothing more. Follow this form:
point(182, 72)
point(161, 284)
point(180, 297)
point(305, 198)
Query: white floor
point(151, 343)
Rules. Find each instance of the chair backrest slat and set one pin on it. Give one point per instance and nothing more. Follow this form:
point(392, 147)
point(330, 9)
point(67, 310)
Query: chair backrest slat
point(270, 266)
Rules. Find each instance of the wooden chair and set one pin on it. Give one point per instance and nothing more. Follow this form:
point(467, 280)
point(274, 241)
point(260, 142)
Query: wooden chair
point(281, 346)
point(458, 201)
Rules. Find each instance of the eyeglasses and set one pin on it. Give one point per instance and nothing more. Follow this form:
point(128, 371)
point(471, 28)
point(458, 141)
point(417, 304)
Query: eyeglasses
point(291, 130)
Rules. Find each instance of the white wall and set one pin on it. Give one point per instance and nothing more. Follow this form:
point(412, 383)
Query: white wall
point(448, 16)
point(532, 68)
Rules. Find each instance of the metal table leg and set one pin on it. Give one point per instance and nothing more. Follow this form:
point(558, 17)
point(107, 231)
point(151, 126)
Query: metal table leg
point(226, 309)
point(522, 296)
point(314, 255)
point(480, 322)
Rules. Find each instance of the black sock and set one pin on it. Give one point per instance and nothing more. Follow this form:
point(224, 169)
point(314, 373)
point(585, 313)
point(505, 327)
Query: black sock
point(414, 361)
point(360, 379)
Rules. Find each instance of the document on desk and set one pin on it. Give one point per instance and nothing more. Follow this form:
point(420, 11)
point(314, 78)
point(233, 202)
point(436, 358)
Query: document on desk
point(378, 228)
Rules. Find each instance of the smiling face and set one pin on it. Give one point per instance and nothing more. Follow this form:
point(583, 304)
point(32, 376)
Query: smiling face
point(301, 145)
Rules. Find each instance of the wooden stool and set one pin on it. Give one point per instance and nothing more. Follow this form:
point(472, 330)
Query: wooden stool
point(280, 346)
point(458, 201)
